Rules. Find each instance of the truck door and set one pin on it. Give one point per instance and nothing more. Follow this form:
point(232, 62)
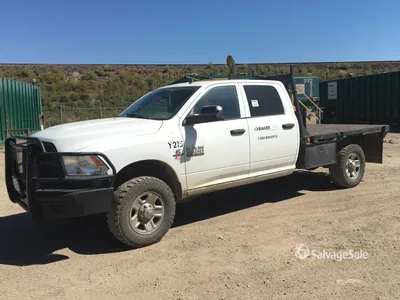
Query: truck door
point(273, 126)
point(217, 152)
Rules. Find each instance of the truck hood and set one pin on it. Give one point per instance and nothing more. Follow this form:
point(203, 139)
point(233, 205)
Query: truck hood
point(79, 135)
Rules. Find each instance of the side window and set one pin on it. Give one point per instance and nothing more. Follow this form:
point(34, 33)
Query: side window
point(263, 100)
point(224, 96)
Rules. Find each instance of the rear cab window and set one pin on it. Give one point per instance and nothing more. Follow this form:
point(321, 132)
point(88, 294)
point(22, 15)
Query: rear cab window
point(263, 100)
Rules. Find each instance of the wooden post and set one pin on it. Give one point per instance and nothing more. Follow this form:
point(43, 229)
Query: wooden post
point(61, 114)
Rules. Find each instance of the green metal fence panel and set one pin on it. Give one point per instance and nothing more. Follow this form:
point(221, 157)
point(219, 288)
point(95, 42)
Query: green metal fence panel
point(2, 111)
point(365, 99)
point(20, 108)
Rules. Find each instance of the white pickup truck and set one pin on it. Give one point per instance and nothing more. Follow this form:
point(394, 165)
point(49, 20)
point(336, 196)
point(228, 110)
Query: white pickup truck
point(179, 141)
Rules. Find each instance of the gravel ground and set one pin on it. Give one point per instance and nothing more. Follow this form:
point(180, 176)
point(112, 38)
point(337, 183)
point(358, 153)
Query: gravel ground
point(235, 244)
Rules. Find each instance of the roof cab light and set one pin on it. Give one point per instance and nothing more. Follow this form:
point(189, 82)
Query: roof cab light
point(84, 165)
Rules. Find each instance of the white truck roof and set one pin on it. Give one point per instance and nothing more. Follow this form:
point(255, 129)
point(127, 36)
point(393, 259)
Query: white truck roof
point(205, 83)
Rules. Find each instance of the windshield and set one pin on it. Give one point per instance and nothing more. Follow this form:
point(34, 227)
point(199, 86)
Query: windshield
point(160, 104)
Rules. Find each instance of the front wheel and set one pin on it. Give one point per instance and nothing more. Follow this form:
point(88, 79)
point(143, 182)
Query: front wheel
point(348, 171)
point(142, 212)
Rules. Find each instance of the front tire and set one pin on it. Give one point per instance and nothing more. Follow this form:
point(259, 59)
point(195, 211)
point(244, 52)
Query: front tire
point(142, 211)
point(349, 169)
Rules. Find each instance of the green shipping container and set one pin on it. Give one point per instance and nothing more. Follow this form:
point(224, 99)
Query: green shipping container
point(20, 108)
point(373, 99)
point(310, 85)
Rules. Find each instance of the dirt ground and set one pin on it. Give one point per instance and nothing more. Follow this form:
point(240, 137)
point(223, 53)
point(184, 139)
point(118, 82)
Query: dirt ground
point(236, 244)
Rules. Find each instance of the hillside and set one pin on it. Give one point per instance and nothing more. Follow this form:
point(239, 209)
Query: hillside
point(76, 92)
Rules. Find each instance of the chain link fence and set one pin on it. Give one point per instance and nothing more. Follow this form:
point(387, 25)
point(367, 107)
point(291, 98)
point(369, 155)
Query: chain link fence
point(65, 114)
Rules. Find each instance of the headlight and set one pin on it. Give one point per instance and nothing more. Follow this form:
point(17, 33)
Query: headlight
point(84, 165)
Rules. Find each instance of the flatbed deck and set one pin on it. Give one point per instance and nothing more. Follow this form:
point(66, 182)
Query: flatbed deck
point(328, 131)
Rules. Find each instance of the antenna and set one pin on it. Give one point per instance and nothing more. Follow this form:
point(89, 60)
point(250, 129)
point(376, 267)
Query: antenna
point(231, 64)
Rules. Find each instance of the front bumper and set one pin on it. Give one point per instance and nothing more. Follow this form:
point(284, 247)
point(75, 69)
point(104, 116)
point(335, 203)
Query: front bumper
point(35, 179)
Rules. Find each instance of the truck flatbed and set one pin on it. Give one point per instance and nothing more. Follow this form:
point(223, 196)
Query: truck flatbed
point(329, 131)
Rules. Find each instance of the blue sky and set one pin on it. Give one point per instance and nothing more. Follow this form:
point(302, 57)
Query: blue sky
point(184, 32)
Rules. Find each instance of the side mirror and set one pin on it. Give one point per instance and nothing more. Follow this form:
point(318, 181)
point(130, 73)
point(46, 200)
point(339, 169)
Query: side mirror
point(209, 113)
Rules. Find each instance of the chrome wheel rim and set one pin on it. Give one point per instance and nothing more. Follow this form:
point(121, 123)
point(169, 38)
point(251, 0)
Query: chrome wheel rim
point(353, 166)
point(147, 213)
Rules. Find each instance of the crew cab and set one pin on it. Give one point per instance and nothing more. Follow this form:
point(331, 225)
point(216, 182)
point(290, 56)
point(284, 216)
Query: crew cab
point(179, 141)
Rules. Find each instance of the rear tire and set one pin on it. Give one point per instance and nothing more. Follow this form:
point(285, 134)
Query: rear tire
point(142, 211)
point(349, 169)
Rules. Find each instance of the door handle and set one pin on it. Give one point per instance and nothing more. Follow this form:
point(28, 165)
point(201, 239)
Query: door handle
point(237, 131)
point(288, 126)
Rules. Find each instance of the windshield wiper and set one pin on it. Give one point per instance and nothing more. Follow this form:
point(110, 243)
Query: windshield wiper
point(136, 115)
